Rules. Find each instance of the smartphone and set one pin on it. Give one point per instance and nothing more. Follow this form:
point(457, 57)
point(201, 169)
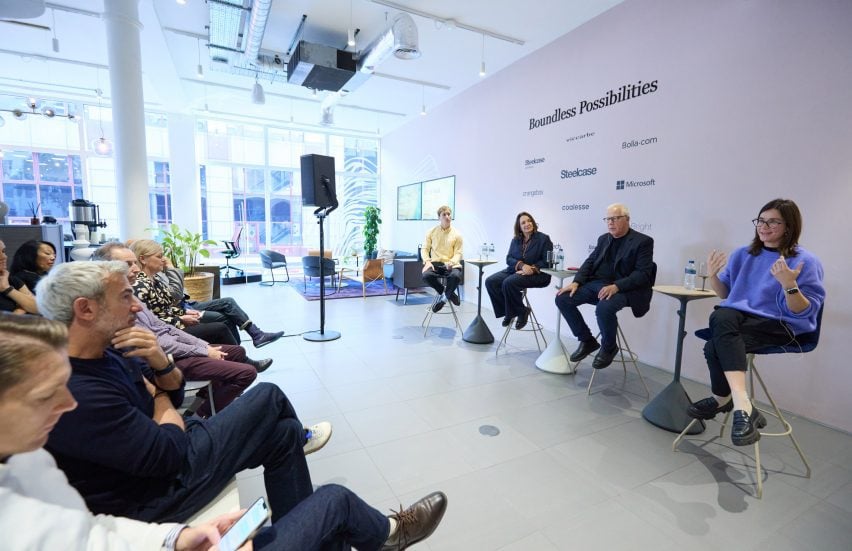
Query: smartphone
point(246, 526)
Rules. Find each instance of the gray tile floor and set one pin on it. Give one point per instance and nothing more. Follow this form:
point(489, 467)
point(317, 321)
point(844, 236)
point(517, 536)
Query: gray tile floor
point(566, 471)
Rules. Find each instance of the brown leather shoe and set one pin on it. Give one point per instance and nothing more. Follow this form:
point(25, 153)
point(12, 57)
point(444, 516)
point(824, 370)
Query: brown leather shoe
point(417, 522)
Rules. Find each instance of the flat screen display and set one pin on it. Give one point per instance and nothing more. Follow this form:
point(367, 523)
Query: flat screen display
point(408, 202)
point(436, 193)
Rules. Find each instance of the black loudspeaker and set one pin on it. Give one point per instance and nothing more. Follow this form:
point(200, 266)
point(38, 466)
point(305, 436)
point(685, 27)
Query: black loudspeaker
point(316, 168)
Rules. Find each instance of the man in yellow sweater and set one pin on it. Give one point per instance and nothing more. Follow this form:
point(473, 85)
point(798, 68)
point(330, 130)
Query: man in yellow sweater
point(442, 254)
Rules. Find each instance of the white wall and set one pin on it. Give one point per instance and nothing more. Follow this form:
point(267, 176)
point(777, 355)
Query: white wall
point(752, 103)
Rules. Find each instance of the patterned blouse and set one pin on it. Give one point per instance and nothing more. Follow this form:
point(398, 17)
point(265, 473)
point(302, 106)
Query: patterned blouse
point(156, 296)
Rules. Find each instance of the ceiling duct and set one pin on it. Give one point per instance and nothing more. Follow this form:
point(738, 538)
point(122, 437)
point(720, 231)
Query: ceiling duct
point(399, 39)
point(256, 29)
point(320, 67)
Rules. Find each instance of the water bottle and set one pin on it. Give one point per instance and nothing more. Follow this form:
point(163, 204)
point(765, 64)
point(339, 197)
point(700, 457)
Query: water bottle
point(689, 276)
point(491, 248)
point(558, 257)
point(483, 251)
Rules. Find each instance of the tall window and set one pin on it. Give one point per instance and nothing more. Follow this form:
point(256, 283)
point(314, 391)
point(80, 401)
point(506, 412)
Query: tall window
point(40, 184)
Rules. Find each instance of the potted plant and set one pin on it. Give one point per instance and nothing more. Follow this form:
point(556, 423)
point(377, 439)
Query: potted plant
point(182, 248)
point(34, 210)
point(371, 230)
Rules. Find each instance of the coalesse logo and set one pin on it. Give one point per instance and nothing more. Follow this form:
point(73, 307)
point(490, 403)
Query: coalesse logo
point(622, 184)
point(530, 163)
point(578, 172)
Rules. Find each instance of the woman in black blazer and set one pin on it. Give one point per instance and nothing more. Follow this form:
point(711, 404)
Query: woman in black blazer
point(526, 257)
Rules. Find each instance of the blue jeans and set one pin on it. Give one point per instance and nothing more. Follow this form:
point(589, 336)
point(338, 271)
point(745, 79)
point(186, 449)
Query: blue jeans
point(261, 428)
point(330, 519)
point(605, 312)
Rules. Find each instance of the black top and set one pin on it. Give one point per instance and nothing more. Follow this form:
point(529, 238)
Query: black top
point(6, 303)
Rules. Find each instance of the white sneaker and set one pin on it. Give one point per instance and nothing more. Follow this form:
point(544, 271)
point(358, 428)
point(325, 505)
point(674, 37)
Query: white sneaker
point(318, 436)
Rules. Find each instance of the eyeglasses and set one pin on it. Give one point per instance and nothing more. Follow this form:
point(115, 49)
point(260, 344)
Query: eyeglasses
point(771, 223)
point(614, 218)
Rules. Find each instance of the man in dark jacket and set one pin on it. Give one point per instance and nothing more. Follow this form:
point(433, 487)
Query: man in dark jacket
point(618, 273)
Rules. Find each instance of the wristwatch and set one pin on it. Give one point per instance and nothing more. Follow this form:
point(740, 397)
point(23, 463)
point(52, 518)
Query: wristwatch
point(5, 292)
point(168, 369)
point(791, 290)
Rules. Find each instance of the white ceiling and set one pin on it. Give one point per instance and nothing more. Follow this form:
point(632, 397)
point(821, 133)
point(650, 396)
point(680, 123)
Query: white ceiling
point(449, 64)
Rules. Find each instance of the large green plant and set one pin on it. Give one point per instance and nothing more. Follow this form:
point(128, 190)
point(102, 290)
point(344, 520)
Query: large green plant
point(182, 247)
point(371, 229)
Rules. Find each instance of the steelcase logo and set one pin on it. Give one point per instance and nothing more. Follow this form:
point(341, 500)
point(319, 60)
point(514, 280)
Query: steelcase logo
point(530, 163)
point(579, 172)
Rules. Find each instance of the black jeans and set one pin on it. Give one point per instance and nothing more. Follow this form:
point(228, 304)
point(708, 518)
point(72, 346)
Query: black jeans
point(433, 280)
point(223, 310)
point(733, 335)
point(261, 428)
point(213, 333)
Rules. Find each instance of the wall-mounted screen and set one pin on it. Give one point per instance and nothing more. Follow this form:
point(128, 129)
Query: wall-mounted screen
point(420, 201)
point(436, 193)
point(408, 202)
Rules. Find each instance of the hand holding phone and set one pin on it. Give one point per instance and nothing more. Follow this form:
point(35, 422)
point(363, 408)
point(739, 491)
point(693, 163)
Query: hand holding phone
point(246, 526)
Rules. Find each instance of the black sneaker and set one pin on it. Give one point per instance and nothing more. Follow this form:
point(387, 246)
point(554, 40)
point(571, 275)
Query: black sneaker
point(437, 306)
point(744, 430)
point(708, 408)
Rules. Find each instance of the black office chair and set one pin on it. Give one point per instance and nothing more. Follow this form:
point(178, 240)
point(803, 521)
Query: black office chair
point(311, 268)
point(274, 260)
point(232, 250)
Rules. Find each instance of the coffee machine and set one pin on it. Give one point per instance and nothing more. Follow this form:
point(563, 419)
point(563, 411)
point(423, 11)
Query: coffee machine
point(87, 214)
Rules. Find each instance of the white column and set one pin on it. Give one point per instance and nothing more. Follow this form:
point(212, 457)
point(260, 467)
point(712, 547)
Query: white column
point(183, 169)
point(128, 113)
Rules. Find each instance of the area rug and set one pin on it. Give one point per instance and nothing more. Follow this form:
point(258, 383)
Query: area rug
point(349, 288)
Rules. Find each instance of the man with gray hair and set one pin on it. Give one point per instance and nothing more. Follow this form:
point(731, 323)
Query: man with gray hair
point(227, 366)
point(125, 448)
point(620, 272)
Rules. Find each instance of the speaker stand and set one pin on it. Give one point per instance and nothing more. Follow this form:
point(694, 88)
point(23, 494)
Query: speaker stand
point(322, 335)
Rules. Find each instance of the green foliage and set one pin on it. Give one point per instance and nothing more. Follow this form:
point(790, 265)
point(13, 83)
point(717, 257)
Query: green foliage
point(371, 228)
point(182, 247)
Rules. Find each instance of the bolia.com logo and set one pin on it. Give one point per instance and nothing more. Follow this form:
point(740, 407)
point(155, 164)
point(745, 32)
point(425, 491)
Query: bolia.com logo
point(622, 184)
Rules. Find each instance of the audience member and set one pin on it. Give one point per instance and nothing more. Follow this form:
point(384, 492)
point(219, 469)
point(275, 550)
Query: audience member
point(162, 300)
point(14, 295)
point(40, 510)
point(125, 448)
point(526, 257)
point(32, 260)
point(618, 273)
point(442, 248)
point(771, 291)
point(227, 366)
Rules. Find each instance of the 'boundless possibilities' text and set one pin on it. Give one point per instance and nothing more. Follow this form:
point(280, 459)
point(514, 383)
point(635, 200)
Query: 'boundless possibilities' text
point(626, 92)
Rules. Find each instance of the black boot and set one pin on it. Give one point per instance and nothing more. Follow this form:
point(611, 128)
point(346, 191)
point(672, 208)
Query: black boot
point(259, 365)
point(258, 337)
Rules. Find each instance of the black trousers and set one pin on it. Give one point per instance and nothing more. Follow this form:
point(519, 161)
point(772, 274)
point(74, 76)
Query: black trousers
point(505, 291)
point(733, 335)
point(433, 280)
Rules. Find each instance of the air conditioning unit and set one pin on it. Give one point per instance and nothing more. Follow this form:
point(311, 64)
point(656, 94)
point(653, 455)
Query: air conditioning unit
point(320, 67)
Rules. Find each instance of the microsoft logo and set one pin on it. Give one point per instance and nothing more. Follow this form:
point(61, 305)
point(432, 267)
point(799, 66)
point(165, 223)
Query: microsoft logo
point(619, 184)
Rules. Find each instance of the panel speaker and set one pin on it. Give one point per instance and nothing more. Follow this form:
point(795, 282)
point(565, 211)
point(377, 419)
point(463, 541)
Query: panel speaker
point(315, 169)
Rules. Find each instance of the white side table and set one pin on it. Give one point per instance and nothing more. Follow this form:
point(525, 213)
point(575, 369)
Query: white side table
point(554, 359)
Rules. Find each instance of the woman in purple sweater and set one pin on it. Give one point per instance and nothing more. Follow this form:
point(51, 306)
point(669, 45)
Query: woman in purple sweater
point(771, 291)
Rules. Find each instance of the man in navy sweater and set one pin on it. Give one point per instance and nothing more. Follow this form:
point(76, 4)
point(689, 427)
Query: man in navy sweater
point(125, 448)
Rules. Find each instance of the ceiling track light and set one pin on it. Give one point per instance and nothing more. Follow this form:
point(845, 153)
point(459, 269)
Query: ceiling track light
point(55, 41)
point(482, 63)
point(199, 71)
point(351, 34)
point(257, 95)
